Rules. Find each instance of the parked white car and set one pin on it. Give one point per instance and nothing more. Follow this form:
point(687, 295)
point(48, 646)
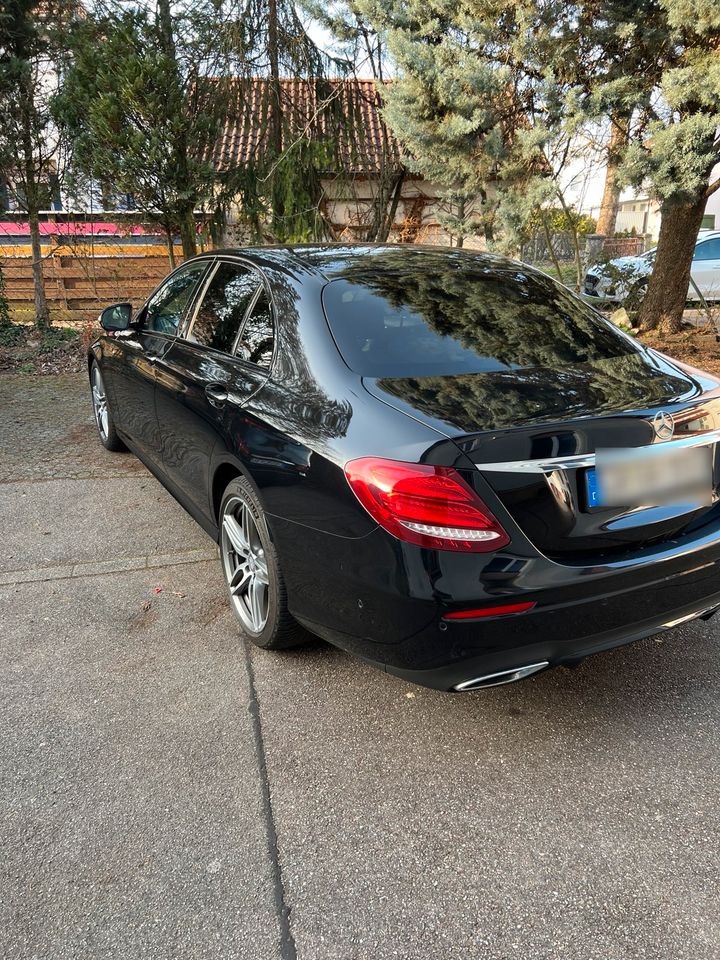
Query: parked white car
point(615, 280)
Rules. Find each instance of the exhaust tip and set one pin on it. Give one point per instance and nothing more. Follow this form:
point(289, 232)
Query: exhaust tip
point(501, 678)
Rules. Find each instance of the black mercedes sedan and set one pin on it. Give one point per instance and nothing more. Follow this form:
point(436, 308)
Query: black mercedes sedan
point(443, 462)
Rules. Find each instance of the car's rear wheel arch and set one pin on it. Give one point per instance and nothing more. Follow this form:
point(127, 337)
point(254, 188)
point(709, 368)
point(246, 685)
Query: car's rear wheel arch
point(224, 473)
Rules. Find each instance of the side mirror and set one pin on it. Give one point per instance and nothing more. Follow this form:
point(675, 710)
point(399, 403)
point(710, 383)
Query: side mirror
point(116, 317)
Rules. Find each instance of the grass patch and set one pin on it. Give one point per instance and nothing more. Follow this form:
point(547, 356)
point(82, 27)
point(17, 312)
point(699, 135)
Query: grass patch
point(9, 334)
point(57, 337)
point(567, 271)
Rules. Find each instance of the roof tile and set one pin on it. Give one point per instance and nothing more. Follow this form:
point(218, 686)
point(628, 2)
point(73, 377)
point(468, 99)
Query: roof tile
point(345, 112)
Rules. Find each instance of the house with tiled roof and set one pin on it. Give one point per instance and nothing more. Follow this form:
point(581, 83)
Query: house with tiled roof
point(363, 163)
point(366, 158)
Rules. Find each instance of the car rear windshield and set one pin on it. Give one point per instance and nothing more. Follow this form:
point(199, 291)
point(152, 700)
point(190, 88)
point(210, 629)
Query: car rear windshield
point(462, 318)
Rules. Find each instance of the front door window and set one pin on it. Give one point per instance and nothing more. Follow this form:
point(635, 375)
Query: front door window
point(165, 309)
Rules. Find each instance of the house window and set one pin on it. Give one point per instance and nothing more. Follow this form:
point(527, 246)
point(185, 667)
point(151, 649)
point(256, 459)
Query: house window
point(708, 222)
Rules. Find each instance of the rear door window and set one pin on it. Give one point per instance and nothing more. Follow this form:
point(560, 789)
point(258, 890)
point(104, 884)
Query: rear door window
point(224, 304)
point(256, 340)
point(708, 250)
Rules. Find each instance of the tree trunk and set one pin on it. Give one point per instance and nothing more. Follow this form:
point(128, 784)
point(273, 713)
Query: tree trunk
point(32, 205)
point(460, 238)
point(664, 301)
point(390, 211)
point(42, 317)
point(551, 249)
point(275, 118)
point(181, 149)
point(611, 193)
point(188, 234)
point(4, 306)
point(575, 241)
point(166, 29)
point(170, 246)
point(487, 220)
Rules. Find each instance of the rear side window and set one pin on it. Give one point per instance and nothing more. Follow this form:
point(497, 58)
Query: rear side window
point(256, 339)
point(436, 316)
point(708, 250)
point(222, 309)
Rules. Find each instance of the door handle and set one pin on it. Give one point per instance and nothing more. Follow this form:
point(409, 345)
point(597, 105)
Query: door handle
point(216, 393)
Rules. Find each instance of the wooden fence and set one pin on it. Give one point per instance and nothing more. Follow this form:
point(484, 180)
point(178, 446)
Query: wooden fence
point(78, 287)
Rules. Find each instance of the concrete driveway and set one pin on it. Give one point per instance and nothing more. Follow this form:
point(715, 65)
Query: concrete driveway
point(166, 792)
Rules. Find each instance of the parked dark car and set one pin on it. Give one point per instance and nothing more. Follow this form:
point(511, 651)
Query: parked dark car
point(420, 455)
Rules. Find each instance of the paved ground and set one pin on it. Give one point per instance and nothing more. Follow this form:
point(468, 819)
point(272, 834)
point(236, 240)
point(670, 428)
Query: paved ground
point(167, 793)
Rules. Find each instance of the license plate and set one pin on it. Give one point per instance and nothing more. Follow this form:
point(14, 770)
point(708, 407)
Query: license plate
point(624, 478)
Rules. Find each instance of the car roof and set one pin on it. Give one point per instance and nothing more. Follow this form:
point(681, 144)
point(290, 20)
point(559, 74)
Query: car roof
point(330, 260)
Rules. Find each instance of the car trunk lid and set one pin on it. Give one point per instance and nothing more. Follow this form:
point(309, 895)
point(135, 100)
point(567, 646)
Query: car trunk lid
point(533, 435)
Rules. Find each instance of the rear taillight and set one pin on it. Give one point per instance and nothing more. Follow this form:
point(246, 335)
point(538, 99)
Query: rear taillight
point(430, 506)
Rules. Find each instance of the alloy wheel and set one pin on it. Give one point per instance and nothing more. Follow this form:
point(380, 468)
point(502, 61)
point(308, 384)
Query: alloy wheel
point(245, 565)
point(100, 405)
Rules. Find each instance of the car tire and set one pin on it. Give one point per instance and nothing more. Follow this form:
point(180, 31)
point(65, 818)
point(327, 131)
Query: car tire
point(103, 415)
point(249, 561)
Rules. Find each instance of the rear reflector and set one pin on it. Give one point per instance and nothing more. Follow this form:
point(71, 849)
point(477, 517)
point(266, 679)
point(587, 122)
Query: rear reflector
point(489, 611)
point(430, 506)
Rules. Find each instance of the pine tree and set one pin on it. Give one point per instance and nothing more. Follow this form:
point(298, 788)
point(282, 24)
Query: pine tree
point(149, 91)
point(679, 153)
point(276, 45)
point(653, 65)
point(490, 92)
point(455, 106)
point(478, 104)
point(133, 104)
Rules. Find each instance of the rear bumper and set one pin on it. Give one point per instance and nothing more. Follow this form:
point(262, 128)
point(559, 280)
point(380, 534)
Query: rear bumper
point(553, 651)
point(385, 603)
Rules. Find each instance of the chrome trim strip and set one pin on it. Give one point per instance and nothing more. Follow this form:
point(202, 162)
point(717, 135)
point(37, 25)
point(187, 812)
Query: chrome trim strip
point(190, 317)
point(685, 619)
point(588, 459)
point(501, 678)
